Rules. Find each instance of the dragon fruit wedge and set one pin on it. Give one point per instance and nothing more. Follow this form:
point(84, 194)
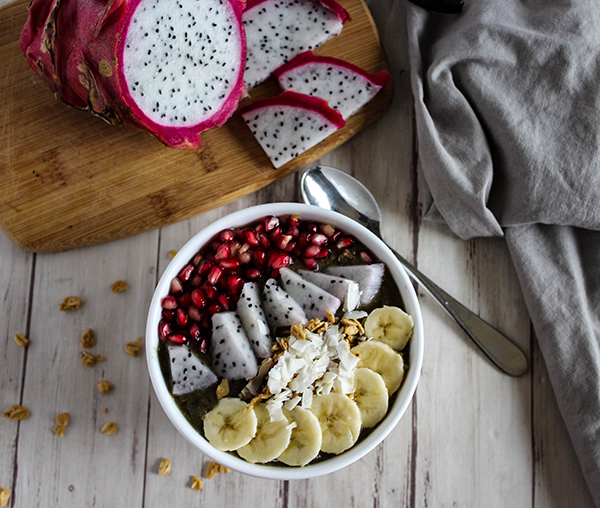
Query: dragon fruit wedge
point(254, 321)
point(281, 308)
point(368, 277)
point(315, 302)
point(232, 355)
point(289, 124)
point(174, 69)
point(343, 85)
point(278, 30)
point(188, 372)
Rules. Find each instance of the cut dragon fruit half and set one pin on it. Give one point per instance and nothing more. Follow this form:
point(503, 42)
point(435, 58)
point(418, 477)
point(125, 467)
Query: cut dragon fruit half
point(291, 123)
point(346, 87)
point(278, 30)
point(174, 69)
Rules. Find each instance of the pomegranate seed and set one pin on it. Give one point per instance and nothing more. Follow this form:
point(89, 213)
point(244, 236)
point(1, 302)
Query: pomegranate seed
point(274, 274)
point(205, 267)
point(335, 236)
point(290, 247)
point(239, 233)
point(214, 308)
point(245, 258)
point(197, 259)
point(271, 223)
point(223, 283)
point(264, 239)
point(169, 302)
point(178, 338)
point(278, 260)
point(229, 264)
point(319, 239)
point(195, 331)
point(323, 253)
point(366, 257)
point(294, 232)
point(194, 313)
point(234, 284)
point(244, 248)
point(275, 233)
point(211, 257)
point(344, 242)
point(304, 239)
point(169, 315)
point(164, 330)
point(311, 227)
point(294, 220)
point(223, 252)
point(198, 299)
point(235, 247)
point(227, 235)
point(259, 258)
point(196, 280)
point(214, 245)
point(176, 286)
point(182, 317)
point(311, 263)
point(205, 321)
point(225, 301)
point(311, 251)
point(186, 273)
point(282, 241)
point(260, 228)
point(185, 300)
point(327, 229)
point(251, 237)
point(203, 346)
point(214, 275)
point(252, 273)
point(210, 292)
point(297, 251)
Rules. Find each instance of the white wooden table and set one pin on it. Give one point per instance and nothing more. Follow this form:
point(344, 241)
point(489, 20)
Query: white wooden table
point(472, 436)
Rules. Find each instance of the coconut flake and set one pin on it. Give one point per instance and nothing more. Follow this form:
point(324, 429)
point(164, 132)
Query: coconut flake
point(352, 299)
point(356, 314)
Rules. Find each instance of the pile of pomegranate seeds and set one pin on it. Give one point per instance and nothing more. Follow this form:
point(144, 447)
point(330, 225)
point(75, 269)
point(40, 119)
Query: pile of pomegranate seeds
point(212, 280)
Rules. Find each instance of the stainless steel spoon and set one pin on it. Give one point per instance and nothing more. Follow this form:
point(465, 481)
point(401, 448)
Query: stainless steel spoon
point(335, 190)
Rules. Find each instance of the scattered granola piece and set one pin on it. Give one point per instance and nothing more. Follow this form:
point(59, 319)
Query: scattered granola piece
point(59, 431)
point(89, 360)
point(214, 469)
point(62, 419)
point(164, 467)
point(70, 304)
point(88, 339)
point(4, 496)
point(105, 410)
point(119, 286)
point(298, 331)
point(351, 330)
point(21, 340)
point(173, 253)
point(109, 428)
point(105, 386)
point(223, 389)
point(17, 413)
point(134, 348)
point(196, 483)
point(330, 317)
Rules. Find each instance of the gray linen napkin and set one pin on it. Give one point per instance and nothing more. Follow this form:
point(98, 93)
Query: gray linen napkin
point(507, 102)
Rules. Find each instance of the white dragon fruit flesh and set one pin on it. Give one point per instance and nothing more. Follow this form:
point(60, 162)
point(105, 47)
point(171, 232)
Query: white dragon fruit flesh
point(188, 372)
point(281, 309)
point(254, 320)
point(289, 124)
point(315, 302)
point(232, 355)
point(369, 278)
point(174, 69)
point(278, 30)
point(346, 87)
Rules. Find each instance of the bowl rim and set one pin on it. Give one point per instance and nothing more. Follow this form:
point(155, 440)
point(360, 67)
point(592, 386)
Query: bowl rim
point(403, 396)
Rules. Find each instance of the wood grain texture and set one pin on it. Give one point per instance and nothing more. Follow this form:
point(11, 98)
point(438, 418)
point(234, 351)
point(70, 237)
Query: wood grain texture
point(69, 180)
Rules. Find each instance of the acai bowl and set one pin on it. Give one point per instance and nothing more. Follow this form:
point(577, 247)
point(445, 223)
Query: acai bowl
point(334, 343)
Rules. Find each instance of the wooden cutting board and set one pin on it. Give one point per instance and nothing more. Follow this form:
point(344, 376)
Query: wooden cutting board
point(69, 180)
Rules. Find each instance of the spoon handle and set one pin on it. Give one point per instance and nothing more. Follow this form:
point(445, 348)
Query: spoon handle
point(504, 353)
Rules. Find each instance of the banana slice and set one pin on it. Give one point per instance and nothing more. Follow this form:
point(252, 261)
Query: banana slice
point(230, 425)
point(371, 396)
point(340, 421)
point(382, 359)
point(390, 325)
point(271, 438)
point(306, 438)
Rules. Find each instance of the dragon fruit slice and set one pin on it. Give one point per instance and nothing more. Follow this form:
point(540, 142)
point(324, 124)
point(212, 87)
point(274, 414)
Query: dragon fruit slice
point(188, 372)
point(343, 85)
point(174, 69)
point(315, 302)
point(277, 30)
point(232, 355)
point(345, 290)
point(289, 124)
point(281, 309)
point(369, 278)
point(253, 318)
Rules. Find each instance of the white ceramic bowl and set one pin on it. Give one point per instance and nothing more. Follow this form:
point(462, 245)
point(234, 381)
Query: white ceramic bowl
point(402, 397)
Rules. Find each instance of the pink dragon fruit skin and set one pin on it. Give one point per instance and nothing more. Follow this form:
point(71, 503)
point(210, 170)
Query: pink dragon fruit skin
point(78, 47)
point(345, 86)
point(289, 124)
